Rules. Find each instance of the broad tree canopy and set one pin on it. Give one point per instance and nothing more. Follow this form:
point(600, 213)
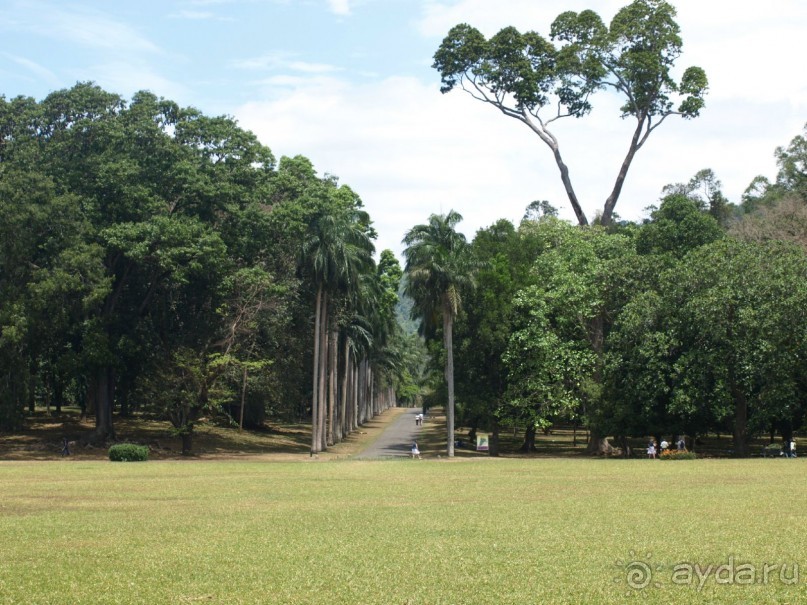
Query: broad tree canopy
point(538, 81)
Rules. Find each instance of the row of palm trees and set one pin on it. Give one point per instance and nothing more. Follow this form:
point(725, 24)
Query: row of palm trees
point(353, 350)
point(349, 332)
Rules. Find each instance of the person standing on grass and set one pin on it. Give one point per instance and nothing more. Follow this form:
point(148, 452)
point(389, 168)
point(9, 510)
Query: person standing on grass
point(651, 450)
point(682, 444)
point(792, 447)
point(415, 451)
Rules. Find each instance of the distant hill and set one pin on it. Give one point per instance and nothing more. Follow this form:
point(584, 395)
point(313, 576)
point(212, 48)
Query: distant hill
point(403, 310)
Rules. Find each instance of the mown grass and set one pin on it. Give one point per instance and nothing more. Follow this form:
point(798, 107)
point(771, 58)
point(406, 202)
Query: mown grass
point(418, 532)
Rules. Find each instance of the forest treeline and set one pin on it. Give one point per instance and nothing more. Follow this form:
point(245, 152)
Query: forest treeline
point(691, 322)
point(155, 259)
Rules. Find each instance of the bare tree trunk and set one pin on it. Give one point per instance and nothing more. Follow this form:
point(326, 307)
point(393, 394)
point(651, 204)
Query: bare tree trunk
point(323, 366)
point(449, 344)
point(741, 448)
point(608, 209)
point(103, 404)
point(567, 185)
point(243, 400)
point(354, 395)
point(529, 439)
point(332, 344)
point(315, 388)
point(343, 430)
point(493, 444)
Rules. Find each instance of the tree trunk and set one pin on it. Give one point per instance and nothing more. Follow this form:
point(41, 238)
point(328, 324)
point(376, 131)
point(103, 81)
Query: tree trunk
point(103, 405)
point(567, 185)
point(323, 367)
point(353, 410)
point(243, 400)
point(343, 412)
point(741, 449)
point(58, 395)
point(315, 388)
point(493, 442)
point(332, 345)
point(187, 443)
point(610, 203)
point(32, 393)
point(529, 440)
point(597, 444)
point(448, 321)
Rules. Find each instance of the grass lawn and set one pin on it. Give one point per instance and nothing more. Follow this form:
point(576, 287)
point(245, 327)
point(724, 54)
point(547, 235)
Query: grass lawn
point(401, 532)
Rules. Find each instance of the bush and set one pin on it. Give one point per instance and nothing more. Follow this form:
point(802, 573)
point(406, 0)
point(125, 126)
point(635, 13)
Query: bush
point(128, 452)
point(676, 455)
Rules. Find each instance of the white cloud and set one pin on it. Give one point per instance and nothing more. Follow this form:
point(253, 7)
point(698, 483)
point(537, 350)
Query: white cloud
point(751, 50)
point(35, 68)
point(129, 76)
point(410, 151)
point(283, 61)
point(193, 15)
point(91, 29)
point(339, 7)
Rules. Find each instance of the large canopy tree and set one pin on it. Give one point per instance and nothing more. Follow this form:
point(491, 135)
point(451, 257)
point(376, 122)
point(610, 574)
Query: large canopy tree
point(539, 81)
point(438, 268)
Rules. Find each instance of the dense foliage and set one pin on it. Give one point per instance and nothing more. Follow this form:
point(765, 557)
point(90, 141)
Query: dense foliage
point(537, 81)
point(128, 452)
point(693, 322)
point(156, 259)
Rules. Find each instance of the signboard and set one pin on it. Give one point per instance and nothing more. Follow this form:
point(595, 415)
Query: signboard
point(481, 443)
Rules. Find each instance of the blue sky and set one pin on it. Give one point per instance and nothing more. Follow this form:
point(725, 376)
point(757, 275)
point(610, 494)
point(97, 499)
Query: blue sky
point(348, 83)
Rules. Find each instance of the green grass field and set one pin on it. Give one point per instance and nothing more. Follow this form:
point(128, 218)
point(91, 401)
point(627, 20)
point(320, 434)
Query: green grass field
point(420, 532)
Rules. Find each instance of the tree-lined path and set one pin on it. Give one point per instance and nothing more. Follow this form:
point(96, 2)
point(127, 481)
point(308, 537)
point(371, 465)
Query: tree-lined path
point(396, 440)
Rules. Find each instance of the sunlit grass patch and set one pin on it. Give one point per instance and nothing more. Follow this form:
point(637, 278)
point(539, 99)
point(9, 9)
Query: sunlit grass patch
point(487, 531)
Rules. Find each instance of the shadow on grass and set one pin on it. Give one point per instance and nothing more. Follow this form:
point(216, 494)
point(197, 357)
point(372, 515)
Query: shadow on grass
point(41, 438)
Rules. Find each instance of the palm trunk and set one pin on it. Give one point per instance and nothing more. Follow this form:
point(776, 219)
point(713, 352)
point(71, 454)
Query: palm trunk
point(315, 388)
point(354, 394)
point(332, 344)
point(343, 416)
point(323, 366)
point(449, 344)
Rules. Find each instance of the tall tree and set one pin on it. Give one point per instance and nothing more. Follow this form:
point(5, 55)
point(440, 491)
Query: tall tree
point(337, 252)
point(438, 268)
point(538, 81)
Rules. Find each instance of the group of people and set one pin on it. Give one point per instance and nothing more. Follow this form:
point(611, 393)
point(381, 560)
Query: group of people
point(654, 449)
point(419, 420)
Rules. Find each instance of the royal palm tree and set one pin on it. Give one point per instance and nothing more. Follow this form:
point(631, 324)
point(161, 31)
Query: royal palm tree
point(438, 268)
point(337, 252)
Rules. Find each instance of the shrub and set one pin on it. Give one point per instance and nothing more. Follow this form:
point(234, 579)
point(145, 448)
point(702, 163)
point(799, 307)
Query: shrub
point(676, 455)
point(128, 452)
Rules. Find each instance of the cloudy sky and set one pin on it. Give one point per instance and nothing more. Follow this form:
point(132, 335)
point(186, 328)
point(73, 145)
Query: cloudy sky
point(349, 84)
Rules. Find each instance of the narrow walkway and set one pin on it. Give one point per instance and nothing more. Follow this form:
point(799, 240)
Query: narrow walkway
point(396, 440)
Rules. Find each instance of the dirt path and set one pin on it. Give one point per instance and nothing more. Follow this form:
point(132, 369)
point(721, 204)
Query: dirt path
point(396, 440)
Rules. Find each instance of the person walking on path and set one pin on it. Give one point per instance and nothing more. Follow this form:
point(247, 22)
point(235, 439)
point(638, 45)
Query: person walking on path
point(415, 451)
point(396, 440)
